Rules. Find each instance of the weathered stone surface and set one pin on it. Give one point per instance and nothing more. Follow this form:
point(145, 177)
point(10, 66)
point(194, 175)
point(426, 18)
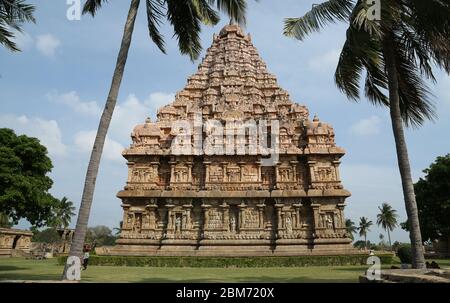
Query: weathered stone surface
point(199, 204)
point(14, 239)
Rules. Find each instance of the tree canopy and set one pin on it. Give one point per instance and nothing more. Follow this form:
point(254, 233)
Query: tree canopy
point(24, 183)
point(433, 200)
point(100, 235)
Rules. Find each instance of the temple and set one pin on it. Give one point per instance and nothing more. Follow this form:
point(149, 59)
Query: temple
point(195, 203)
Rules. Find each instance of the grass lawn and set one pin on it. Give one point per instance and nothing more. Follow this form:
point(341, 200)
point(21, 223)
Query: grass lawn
point(22, 269)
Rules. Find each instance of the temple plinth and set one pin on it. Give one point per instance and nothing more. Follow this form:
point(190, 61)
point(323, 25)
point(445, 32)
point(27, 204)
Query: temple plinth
point(193, 202)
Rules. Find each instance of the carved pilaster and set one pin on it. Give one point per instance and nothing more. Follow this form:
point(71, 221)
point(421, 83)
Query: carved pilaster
point(279, 210)
point(261, 207)
point(242, 207)
point(297, 208)
point(170, 219)
point(316, 215)
point(205, 208)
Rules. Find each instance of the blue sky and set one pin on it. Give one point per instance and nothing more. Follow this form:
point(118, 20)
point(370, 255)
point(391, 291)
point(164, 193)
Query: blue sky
point(55, 90)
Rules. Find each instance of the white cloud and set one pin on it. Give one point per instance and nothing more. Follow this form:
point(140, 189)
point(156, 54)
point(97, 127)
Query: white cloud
point(156, 100)
point(112, 150)
point(72, 100)
point(326, 61)
point(133, 112)
point(126, 115)
point(47, 131)
point(47, 44)
point(367, 127)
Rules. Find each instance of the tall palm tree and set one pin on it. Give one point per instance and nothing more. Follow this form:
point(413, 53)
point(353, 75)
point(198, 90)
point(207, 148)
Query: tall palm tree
point(351, 228)
point(13, 13)
point(65, 212)
point(364, 228)
point(387, 218)
point(185, 17)
point(394, 52)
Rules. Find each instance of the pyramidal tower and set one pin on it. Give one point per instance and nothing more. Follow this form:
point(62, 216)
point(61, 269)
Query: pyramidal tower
point(233, 167)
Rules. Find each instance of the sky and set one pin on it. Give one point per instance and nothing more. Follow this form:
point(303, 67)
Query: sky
point(55, 90)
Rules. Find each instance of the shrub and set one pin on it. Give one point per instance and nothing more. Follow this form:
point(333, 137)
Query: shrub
point(223, 262)
point(404, 253)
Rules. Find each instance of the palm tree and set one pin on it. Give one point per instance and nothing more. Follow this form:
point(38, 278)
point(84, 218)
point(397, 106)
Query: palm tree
point(364, 228)
point(351, 228)
point(13, 13)
point(186, 18)
point(394, 52)
point(65, 212)
point(387, 218)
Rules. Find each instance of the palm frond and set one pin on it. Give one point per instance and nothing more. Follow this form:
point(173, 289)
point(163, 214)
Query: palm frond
point(6, 37)
point(13, 14)
point(235, 9)
point(206, 12)
point(14, 11)
point(415, 103)
point(155, 15)
point(92, 6)
point(319, 16)
point(359, 52)
point(186, 25)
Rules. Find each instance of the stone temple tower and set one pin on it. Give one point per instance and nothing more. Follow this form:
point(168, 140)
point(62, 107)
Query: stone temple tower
point(197, 203)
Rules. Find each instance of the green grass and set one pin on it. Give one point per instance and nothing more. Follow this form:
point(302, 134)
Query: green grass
point(22, 269)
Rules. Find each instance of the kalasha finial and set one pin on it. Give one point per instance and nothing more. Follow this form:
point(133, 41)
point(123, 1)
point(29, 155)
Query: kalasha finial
point(148, 120)
point(316, 118)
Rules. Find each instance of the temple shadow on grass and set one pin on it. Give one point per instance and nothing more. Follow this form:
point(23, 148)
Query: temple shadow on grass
point(11, 268)
point(28, 277)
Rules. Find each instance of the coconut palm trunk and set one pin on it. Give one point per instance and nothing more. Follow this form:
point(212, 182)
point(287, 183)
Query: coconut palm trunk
point(389, 237)
point(76, 248)
point(402, 155)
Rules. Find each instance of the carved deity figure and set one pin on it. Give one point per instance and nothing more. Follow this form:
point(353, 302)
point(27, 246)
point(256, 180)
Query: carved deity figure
point(233, 224)
point(178, 224)
point(137, 223)
point(329, 222)
point(288, 224)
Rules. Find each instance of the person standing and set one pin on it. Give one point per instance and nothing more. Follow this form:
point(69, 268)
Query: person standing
point(85, 258)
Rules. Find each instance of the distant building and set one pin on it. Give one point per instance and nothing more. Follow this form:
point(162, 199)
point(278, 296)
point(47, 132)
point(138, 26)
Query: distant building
point(14, 239)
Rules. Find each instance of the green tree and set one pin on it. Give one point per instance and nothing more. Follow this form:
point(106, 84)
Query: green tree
point(64, 211)
point(433, 200)
point(364, 228)
point(24, 183)
point(48, 235)
point(13, 14)
point(351, 228)
point(387, 218)
point(100, 235)
point(186, 18)
point(393, 52)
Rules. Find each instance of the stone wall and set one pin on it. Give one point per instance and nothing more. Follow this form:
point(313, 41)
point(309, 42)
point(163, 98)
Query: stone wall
point(14, 239)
